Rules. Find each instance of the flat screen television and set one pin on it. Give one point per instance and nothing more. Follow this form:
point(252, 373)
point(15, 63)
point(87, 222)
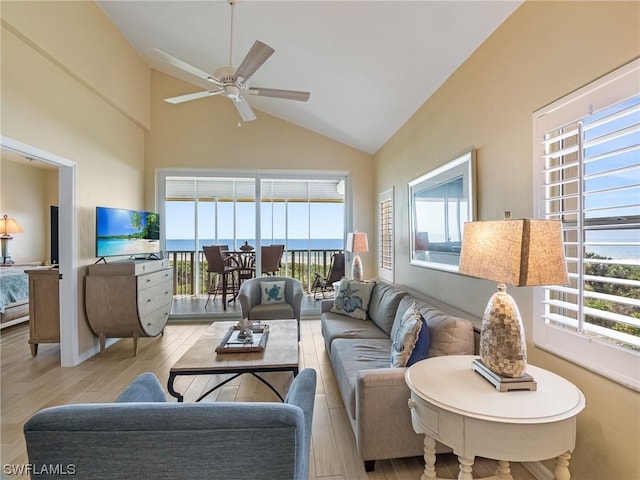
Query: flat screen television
point(121, 232)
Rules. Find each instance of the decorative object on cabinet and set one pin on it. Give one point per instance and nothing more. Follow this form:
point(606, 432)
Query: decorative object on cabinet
point(357, 243)
point(524, 252)
point(440, 202)
point(44, 307)
point(128, 299)
point(8, 226)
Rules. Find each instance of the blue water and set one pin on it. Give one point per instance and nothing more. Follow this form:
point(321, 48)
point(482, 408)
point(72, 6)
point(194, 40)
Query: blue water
point(292, 244)
point(109, 247)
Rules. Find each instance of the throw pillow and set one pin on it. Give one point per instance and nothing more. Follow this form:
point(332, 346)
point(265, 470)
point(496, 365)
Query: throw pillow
point(352, 298)
point(421, 348)
point(406, 338)
point(272, 292)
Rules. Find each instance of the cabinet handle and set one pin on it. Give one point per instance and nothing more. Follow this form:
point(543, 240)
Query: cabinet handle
point(148, 280)
point(411, 403)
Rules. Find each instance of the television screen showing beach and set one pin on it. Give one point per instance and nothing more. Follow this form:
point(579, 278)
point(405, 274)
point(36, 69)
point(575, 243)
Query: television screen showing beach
point(126, 232)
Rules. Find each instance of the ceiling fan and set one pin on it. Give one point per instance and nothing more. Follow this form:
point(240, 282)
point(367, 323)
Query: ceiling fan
point(232, 82)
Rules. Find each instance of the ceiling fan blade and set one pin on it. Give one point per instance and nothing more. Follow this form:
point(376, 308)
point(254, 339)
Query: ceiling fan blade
point(192, 96)
point(275, 93)
point(259, 53)
point(184, 66)
point(243, 108)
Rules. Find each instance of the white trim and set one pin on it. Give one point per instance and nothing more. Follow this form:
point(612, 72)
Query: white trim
point(68, 234)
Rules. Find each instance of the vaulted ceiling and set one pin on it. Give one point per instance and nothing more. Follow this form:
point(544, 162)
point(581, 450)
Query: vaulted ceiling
point(369, 65)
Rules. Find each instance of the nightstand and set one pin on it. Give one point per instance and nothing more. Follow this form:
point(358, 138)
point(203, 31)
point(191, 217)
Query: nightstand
point(454, 405)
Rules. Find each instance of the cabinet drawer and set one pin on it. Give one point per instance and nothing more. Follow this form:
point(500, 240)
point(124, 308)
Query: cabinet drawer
point(153, 279)
point(153, 322)
point(426, 415)
point(154, 297)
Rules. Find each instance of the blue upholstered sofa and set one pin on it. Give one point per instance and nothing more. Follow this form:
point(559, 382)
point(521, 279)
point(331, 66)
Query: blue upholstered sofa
point(144, 437)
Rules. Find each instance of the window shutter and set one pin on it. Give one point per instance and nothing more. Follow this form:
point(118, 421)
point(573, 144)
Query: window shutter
point(385, 235)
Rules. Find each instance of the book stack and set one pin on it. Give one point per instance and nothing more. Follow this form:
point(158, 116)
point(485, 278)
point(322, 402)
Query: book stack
point(504, 384)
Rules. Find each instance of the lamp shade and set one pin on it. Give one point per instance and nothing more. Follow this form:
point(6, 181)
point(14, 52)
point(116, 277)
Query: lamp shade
point(357, 242)
point(522, 252)
point(9, 225)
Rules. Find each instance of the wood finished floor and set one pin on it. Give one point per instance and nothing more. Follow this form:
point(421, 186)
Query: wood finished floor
point(32, 383)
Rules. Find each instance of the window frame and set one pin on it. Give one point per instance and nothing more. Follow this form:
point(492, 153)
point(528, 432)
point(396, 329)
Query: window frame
point(616, 363)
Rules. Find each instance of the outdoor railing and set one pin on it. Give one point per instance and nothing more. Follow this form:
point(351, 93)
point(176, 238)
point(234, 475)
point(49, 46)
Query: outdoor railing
point(300, 264)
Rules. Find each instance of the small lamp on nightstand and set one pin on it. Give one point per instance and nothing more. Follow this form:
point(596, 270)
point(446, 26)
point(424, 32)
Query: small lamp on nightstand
point(524, 252)
point(357, 243)
point(8, 226)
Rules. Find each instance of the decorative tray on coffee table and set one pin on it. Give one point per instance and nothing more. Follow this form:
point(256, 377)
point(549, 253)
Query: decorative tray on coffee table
point(234, 342)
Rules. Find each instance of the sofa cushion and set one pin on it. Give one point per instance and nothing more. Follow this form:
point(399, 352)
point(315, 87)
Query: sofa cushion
point(272, 292)
point(348, 357)
point(335, 326)
point(450, 335)
point(274, 311)
point(406, 336)
point(383, 306)
point(352, 298)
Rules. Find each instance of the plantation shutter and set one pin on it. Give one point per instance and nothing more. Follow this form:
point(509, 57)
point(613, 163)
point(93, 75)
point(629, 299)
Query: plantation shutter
point(591, 182)
point(385, 235)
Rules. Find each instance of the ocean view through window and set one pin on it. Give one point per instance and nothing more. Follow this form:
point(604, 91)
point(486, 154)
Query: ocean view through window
point(589, 154)
point(306, 215)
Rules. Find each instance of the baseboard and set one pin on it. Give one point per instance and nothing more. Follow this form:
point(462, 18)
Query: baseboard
point(538, 470)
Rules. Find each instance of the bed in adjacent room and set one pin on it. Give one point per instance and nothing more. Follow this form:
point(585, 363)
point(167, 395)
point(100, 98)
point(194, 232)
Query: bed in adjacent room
point(14, 295)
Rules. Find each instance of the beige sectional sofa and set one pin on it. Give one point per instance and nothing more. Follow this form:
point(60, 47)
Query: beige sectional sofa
point(375, 395)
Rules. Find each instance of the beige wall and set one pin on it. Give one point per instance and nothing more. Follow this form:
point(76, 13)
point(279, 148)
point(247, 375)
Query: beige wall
point(72, 86)
point(205, 134)
point(26, 194)
point(542, 52)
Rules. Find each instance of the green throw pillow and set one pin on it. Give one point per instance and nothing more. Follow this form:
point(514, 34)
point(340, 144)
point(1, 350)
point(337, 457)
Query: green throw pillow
point(406, 336)
point(272, 292)
point(352, 298)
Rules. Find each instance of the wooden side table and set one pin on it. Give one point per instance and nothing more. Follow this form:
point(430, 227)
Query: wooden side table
point(456, 406)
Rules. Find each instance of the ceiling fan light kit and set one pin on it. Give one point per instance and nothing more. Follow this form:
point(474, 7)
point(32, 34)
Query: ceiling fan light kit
point(232, 82)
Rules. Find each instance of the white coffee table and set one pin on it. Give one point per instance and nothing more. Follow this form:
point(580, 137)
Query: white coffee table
point(456, 406)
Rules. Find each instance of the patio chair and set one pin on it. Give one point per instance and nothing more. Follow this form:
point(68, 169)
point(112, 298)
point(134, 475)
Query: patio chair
point(271, 259)
point(224, 273)
point(336, 273)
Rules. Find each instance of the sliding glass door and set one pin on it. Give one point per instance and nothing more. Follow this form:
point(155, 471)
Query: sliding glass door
point(306, 214)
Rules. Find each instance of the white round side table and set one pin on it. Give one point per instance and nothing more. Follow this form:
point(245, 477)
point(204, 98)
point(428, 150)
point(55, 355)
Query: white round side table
point(459, 408)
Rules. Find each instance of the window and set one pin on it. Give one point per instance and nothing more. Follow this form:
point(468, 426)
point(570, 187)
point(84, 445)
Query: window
point(587, 148)
point(306, 212)
point(385, 235)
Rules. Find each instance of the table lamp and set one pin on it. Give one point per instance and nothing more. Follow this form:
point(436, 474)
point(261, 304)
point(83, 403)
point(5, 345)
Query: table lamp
point(357, 243)
point(8, 226)
point(523, 252)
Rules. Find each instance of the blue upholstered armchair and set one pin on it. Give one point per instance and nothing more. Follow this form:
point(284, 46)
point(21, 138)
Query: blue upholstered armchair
point(143, 436)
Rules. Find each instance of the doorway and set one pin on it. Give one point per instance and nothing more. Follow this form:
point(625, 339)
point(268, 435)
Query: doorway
point(69, 342)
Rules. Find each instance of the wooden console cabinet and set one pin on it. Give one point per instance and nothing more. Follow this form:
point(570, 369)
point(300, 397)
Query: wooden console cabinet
point(128, 299)
point(44, 307)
